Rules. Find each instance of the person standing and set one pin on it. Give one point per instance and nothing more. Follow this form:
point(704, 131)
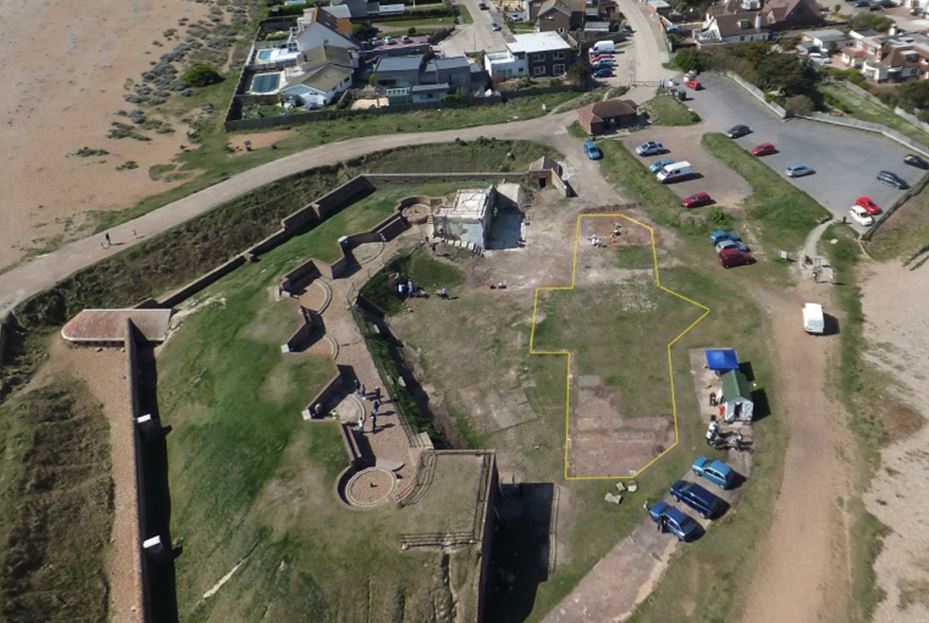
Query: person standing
point(374, 420)
point(106, 240)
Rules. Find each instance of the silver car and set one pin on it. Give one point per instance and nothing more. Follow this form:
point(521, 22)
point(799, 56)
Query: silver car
point(798, 170)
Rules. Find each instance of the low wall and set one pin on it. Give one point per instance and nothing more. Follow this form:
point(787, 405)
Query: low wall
point(139, 571)
point(327, 395)
point(299, 219)
point(202, 282)
point(300, 338)
point(381, 180)
point(756, 93)
point(305, 273)
point(869, 127)
point(392, 227)
point(3, 331)
point(349, 192)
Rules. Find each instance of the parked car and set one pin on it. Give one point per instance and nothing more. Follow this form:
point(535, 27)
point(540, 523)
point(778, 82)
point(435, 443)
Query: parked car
point(650, 148)
point(672, 520)
point(482, 6)
point(868, 204)
point(731, 244)
point(714, 470)
point(675, 172)
point(593, 152)
point(738, 131)
point(388, 40)
point(860, 216)
point(603, 72)
point(798, 170)
point(599, 58)
point(765, 149)
point(516, 17)
point(915, 161)
point(697, 498)
point(733, 257)
point(892, 179)
point(494, 26)
point(860, 4)
point(694, 84)
point(406, 39)
point(603, 65)
point(659, 164)
point(719, 235)
point(696, 200)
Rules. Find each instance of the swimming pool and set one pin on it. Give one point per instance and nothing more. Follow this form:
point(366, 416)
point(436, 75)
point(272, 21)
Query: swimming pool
point(265, 83)
point(265, 55)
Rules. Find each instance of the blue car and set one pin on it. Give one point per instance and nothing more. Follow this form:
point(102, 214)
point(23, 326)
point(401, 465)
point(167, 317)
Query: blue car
point(672, 520)
point(719, 235)
point(593, 152)
point(715, 471)
point(604, 72)
point(659, 164)
point(697, 498)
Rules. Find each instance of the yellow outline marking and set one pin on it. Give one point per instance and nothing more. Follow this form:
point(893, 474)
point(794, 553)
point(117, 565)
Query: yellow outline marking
point(567, 354)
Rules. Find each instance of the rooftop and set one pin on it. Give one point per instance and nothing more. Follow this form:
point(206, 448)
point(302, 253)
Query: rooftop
point(109, 325)
point(469, 204)
point(538, 42)
point(827, 34)
point(411, 62)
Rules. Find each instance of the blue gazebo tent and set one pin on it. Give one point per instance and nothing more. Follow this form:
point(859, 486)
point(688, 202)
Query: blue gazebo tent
point(722, 360)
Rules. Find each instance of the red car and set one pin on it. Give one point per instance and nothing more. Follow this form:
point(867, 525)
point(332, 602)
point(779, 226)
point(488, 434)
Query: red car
point(868, 204)
point(695, 85)
point(696, 200)
point(731, 256)
point(765, 149)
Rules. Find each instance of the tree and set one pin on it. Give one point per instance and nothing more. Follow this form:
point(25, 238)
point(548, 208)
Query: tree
point(863, 21)
point(914, 94)
point(799, 105)
point(201, 76)
point(579, 71)
point(691, 59)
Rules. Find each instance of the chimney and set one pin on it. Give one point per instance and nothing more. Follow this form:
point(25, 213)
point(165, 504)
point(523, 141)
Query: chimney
point(758, 20)
point(892, 31)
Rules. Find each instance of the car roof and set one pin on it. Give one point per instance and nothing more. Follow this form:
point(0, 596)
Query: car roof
point(797, 166)
point(728, 251)
point(720, 467)
point(659, 507)
point(678, 516)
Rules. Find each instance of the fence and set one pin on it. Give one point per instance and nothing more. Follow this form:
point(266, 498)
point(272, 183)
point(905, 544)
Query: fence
point(757, 94)
point(915, 190)
point(869, 127)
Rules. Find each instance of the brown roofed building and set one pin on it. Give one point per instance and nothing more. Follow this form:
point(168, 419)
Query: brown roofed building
point(560, 15)
point(603, 117)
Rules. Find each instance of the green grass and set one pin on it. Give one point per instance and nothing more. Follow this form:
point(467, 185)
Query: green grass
point(904, 232)
point(211, 161)
point(416, 22)
point(465, 15)
point(428, 273)
point(783, 213)
point(55, 486)
point(664, 109)
point(858, 388)
point(251, 480)
point(854, 105)
point(180, 254)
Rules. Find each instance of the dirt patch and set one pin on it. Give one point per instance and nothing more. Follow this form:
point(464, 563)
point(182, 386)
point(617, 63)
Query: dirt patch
point(259, 140)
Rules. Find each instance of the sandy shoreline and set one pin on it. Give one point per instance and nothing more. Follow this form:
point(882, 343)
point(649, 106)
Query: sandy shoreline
point(64, 74)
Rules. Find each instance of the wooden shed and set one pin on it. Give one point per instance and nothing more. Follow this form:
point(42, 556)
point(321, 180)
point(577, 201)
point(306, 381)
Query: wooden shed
point(603, 117)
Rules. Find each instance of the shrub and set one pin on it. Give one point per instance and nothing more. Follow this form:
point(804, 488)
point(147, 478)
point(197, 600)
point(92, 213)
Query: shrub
point(201, 75)
point(799, 104)
point(691, 59)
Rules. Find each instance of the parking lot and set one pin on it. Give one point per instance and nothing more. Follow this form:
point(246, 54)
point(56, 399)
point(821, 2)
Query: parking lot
point(846, 160)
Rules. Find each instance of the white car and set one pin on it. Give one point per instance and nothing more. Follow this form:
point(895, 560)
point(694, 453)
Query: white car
point(860, 216)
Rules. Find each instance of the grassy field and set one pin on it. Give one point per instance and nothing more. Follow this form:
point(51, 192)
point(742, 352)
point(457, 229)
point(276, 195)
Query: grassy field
point(905, 231)
point(665, 109)
point(478, 356)
point(211, 160)
point(251, 481)
point(56, 505)
point(183, 252)
point(854, 105)
point(783, 214)
point(464, 14)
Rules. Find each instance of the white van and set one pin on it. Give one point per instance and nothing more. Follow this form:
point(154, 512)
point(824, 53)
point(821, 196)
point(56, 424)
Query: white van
point(813, 320)
point(603, 46)
point(675, 171)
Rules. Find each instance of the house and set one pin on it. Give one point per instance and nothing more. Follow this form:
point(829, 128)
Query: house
point(865, 44)
point(602, 117)
point(731, 28)
point(891, 57)
point(736, 401)
point(361, 9)
point(325, 54)
point(545, 53)
point(338, 17)
point(400, 75)
point(560, 15)
point(397, 71)
point(319, 87)
point(658, 7)
point(468, 218)
point(790, 14)
point(314, 34)
point(828, 40)
point(358, 9)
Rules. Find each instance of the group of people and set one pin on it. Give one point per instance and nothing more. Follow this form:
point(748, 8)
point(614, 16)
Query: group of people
point(375, 398)
point(714, 438)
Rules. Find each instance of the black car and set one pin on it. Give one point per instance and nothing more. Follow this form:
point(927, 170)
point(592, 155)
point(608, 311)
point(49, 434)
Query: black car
point(892, 179)
point(915, 161)
point(738, 130)
point(697, 498)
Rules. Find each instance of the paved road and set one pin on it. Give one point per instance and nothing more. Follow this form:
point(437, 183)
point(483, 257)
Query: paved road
point(45, 271)
point(846, 161)
point(478, 35)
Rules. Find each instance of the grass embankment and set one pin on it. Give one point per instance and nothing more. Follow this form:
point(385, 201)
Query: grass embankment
point(464, 14)
point(477, 361)
point(904, 233)
point(212, 158)
point(252, 482)
point(665, 109)
point(783, 213)
point(186, 251)
point(858, 385)
point(854, 105)
point(56, 506)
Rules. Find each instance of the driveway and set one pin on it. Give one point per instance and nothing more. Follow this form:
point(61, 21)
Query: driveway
point(846, 161)
point(476, 36)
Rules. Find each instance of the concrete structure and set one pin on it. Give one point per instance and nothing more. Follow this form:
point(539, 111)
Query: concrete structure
point(603, 117)
point(108, 326)
point(535, 55)
point(827, 40)
point(736, 402)
point(468, 218)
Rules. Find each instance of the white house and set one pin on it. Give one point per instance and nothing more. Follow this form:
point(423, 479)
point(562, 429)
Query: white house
point(504, 66)
point(532, 54)
point(731, 28)
point(827, 40)
point(321, 86)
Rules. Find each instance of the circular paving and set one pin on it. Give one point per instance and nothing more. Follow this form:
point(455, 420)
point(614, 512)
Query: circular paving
point(417, 214)
point(370, 487)
point(366, 252)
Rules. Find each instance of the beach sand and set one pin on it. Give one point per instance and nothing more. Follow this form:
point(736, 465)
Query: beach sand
point(63, 76)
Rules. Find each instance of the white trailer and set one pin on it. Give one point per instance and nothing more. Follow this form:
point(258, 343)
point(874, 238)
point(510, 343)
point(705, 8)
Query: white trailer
point(813, 320)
